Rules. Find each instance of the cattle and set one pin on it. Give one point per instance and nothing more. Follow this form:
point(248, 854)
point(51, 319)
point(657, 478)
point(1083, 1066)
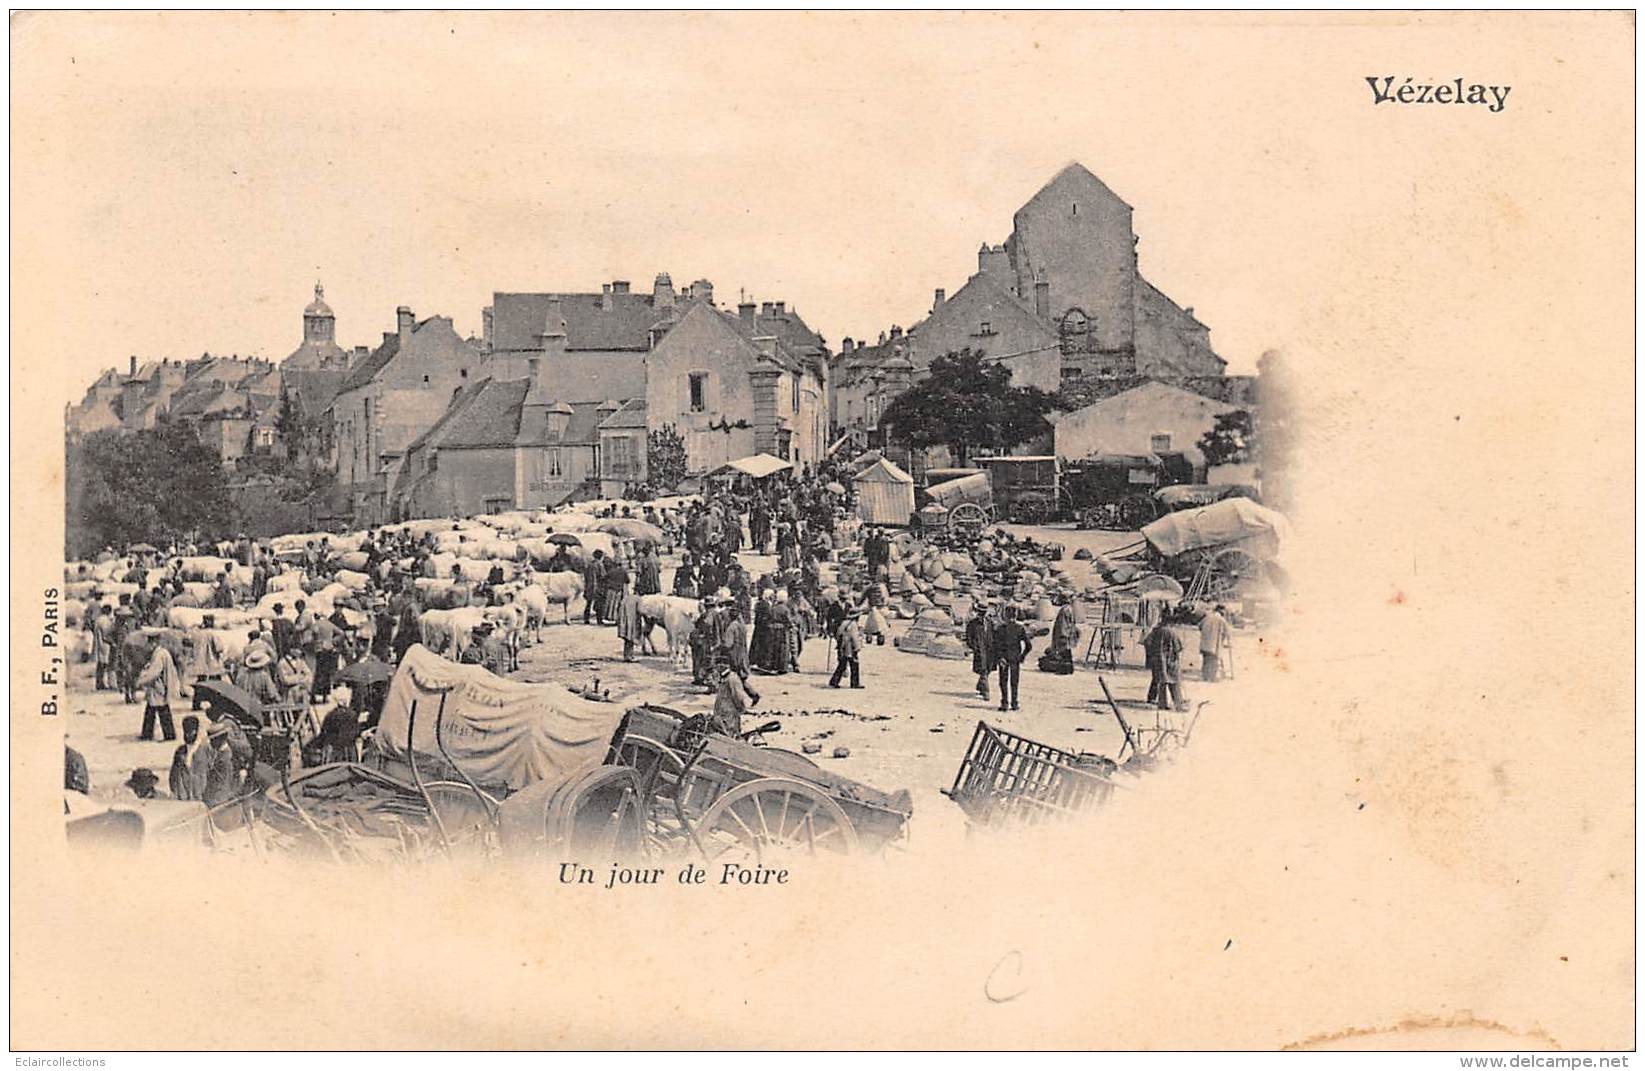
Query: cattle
point(533, 605)
point(194, 617)
point(354, 560)
point(74, 613)
point(677, 615)
point(476, 570)
point(288, 582)
point(442, 594)
point(207, 569)
point(447, 632)
point(560, 589)
point(80, 589)
point(352, 580)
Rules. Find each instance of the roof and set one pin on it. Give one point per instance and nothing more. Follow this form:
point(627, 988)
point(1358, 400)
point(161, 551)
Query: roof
point(1237, 391)
point(581, 430)
point(518, 321)
point(883, 471)
point(436, 431)
point(318, 306)
point(758, 466)
point(631, 414)
point(490, 417)
point(367, 370)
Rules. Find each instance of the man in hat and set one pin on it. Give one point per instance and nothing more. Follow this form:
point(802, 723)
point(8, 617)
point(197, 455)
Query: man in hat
point(848, 650)
point(103, 647)
point(979, 637)
point(734, 640)
point(142, 782)
point(593, 585)
point(1164, 653)
point(254, 677)
point(222, 765)
point(282, 629)
point(1213, 636)
point(630, 628)
point(190, 763)
point(648, 572)
point(1011, 646)
point(292, 676)
point(161, 684)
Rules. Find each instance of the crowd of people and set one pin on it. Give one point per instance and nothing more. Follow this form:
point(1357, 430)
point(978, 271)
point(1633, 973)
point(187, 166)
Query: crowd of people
point(304, 634)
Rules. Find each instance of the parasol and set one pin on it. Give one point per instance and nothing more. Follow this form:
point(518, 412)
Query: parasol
point(141, 548)
point(834, 489)
point(631, 529)
point(367, 671)
point(565, 539)
point(237, 703)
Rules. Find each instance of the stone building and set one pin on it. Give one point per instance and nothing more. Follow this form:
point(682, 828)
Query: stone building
point(399, 391)
point(316, 369)
point(738, 385)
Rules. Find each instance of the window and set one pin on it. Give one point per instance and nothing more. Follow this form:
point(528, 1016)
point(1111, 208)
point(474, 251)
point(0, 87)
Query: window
point(987, 328)
point(1159, 444)
point(425, 381)
point(551, 462)
point(1076, 210)
point(498, 505)
point(796, 394)
point(463, 373)
point(620, 456)
point(699, 392)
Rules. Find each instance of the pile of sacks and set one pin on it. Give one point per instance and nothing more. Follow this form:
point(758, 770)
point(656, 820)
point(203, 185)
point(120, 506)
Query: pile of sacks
point(936, 633)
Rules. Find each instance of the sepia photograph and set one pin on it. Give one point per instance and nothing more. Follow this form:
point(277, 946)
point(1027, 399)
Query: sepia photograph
point(822, 530)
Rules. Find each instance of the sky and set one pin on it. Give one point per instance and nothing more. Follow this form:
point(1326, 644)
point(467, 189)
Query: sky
point(190, 176)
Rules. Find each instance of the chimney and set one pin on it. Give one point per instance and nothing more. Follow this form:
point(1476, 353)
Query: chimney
point(896, 332)
point(765, 310)
point(407, 323)
point(745, 313)
point(605, 297)
point(619, 286)
point(703, 291)
point(1042, 299)
point(360, 354)
point(847, 345)
point(781, 309)
point(552, 337)
point(134, 364)
point(662, 292)
point(941, 296)
point(486, 315)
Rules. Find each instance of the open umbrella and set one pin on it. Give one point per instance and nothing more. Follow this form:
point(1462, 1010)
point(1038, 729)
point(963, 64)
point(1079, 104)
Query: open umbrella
point(142, 548)
point(237, 703)
point(565, 539)
point(628, 528)
point(367, 671)
point(835, 489)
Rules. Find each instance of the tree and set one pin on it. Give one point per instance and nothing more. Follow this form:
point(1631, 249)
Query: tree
point(967, 402)
point(665, 458)
point(154, 486)
point(1232, 439)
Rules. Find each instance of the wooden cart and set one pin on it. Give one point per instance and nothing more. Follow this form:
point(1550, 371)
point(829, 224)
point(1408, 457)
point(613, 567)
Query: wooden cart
point(730, 800)
point(1006, 779)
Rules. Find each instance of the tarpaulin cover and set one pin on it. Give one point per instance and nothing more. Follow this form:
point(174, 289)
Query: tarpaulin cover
point(1232, 520)
point(978, 488)
point(758, 466)
point(500, 732)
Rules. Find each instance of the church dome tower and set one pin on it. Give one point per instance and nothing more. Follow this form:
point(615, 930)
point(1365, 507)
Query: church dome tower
point(319, 325)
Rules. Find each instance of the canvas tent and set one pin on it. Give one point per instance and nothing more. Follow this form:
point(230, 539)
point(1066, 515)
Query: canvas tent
point(1233, 520)
point(504, 734)
point(758, 467)
point(885, 493)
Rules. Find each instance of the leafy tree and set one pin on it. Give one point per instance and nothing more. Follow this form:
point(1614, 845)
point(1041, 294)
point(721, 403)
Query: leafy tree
point(154, 486)
point(1231, 440)
point(665, 458)
point(966, 403)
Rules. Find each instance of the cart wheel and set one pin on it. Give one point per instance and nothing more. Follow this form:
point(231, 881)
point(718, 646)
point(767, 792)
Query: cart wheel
point(467, 820)
point(1135, 512)
point(774, 816)
point(1231, 570)
point(967, 517)
point(598, 815)
point(660, 769)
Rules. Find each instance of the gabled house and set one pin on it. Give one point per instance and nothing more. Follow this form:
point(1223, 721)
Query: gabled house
point(732, 391)
point(389, 399)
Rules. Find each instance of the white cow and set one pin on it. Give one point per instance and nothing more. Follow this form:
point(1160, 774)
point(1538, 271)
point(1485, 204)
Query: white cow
point(560, 589)
point(676, 614)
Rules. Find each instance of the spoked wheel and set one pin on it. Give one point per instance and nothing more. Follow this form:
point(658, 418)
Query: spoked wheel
point(1231, 570)
point(774, 816)
point(967, 518)
point(659, 768)
point(466, 818)
point(599, 815)
point(1135, 512)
